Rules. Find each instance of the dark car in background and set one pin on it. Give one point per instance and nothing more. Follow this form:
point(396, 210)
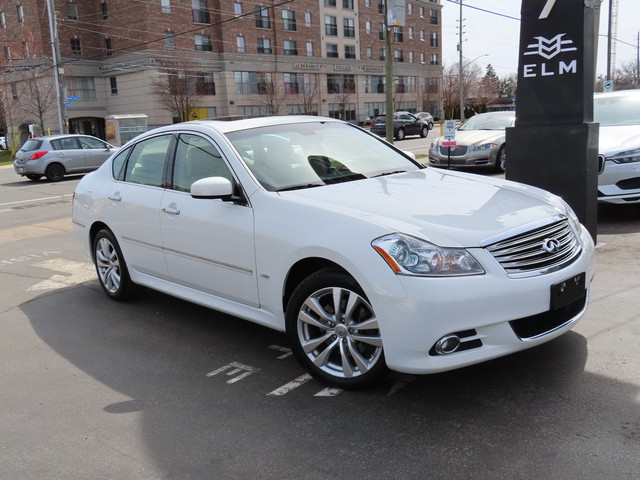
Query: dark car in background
point(55, 156)
point(404, 123)
point(427, 117)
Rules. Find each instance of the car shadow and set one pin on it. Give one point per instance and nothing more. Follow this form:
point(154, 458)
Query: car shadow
point(24, 180)
point(535, 414)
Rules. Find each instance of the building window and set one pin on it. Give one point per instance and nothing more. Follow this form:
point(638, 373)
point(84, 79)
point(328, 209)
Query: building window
point(341, 83)
point(410, 32)
point(347, 4)
point(204, 84)
point(241, 45)
point(203, 43)
point(374, 84)
point(367, 27)
point(107, 46)
point(3, 21)
point(369, 53)
point(380, 6)
point(383, 54)
point(169, 40)
point(72, 10)
point(200, 11)
point(264, 45)
point(330, 25)
point(248, 83)
point(382, 32)
point(309, 49)
point(349, 51)
point(373, 109)
point(262, 17)
point(20, 10)
point(25, 49)
point(422, 35)
point(398, 36)
point(433, 16)
point(289, 20)
point(237, 9)
point(307, 19)
point(421, 12)
point(76, 46)
point(114, 85)
point(434, 39)
point(14, 91)
point(397, 56)
point(434, 59)
point(349, 27)
point(332, 50)
point(103, 8)
point(410, 8)
point(410, 57)
point(166, 6)
point(343, 111)
point(404, 84)
point(290, 47)
point(329, 3)
point(83, 87)
point(7, 53)
point(367, 3)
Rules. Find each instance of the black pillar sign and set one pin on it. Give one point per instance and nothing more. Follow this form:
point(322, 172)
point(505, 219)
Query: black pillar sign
point(554, 144)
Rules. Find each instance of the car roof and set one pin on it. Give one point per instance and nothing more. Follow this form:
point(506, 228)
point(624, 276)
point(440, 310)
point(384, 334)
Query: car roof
point(619, 93)
point(65, 135)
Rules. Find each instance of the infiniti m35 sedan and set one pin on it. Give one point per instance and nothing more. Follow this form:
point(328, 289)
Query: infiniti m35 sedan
point(368, 260)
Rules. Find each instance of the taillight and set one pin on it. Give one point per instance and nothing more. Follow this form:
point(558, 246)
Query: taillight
point(37, 155)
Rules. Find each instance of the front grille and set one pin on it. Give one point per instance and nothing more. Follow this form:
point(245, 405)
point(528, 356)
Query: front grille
point(629, 184)
point(531, 327)
point(525, 254)
point(457, 151)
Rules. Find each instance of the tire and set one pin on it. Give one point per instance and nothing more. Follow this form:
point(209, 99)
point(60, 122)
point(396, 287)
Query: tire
point(344, 350)
point(430, 126)
point(111, 268)
point(54, 172)
point(501, 160)
point(424, 131)
point(33, 177)
point(400, 134)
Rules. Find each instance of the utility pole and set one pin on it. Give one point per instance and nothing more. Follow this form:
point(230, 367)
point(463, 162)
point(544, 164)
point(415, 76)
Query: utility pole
point(388, 65)
point(638, 60)
point(461, 67)
point(57, 71)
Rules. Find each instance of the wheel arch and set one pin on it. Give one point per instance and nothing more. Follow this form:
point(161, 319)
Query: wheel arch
point(301, 270)
point(93, 231)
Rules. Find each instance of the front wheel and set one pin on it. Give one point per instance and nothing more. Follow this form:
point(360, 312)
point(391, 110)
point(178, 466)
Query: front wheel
point(424, 131)
point(400, 134)
point(111, 267)
point(501, 160)
point(334, 331)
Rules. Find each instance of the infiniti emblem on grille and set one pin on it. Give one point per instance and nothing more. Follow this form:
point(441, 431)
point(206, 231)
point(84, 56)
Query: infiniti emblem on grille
point(551, 245)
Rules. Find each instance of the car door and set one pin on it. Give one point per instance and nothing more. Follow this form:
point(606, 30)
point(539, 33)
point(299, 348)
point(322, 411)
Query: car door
point(208, 243)
point(68, 152)
point(134, 211)
point(95, 152)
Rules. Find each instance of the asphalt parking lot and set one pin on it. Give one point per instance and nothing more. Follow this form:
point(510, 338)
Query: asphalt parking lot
point(159, 388)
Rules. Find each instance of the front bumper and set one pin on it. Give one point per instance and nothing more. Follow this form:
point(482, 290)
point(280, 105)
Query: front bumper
point(479, 307)
point(619, 183)
point(469, 159)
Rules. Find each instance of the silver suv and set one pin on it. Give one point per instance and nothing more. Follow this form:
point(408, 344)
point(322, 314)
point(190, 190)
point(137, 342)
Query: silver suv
point(58, 155)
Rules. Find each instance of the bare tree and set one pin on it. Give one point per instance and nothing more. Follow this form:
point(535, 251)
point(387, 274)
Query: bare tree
point(273, 95)
point(38, 97)
point(308, 96)
point(451, 86)
point(627, 76)
point(178, 86)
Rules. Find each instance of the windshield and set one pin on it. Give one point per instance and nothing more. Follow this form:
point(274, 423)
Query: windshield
point(489, 122)
point(612, 110)
point(302, 155)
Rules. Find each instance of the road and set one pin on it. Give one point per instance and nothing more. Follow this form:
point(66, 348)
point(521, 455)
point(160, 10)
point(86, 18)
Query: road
point(159, 388)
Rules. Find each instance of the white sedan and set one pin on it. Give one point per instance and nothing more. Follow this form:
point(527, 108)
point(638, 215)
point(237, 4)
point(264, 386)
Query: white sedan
point(367, 259)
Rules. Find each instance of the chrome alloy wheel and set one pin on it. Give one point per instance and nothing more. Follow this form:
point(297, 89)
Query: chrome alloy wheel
point(339, 333)
point(108, 265)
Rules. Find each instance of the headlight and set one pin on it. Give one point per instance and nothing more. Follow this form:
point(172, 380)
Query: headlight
point(630, 156)
point(410, 256)
point(486, 146)
point(571, 216)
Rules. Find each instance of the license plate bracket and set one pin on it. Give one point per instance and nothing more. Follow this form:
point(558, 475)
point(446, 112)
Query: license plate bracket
point(568, 291)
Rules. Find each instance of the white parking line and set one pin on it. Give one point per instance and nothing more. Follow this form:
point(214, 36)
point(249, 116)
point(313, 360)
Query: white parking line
point(19, 202)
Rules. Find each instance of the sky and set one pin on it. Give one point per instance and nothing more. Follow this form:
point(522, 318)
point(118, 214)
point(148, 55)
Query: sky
point(494, 38)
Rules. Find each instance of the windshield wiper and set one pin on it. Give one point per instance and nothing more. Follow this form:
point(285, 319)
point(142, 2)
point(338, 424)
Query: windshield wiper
point(388, 173)
point(300, 187)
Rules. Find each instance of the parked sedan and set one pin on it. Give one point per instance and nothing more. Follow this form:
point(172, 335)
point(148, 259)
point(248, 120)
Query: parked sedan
point(365, 258)
point(480, 141)
point(58, 155)
point(404, 123)
point(618, 114)
point(426, 117)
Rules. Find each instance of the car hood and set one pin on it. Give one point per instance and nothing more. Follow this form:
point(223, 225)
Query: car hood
point(613, 140)
point(469, 137)
point(450, 209)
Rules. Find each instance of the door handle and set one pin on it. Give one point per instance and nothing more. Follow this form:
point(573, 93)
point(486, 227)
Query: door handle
point(171, 209)
point(115, 197)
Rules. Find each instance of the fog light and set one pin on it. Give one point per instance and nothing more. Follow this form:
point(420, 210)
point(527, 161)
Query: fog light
point(447, 344)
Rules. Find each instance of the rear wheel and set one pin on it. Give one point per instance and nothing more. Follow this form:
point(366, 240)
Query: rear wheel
point(34, 177)
point(54, 172)
point(111, 267)
point(501, 160)
point(334, 331)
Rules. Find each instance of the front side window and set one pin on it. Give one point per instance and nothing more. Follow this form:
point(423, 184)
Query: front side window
point(197, 158)
point(92, 143)
point(146, 162)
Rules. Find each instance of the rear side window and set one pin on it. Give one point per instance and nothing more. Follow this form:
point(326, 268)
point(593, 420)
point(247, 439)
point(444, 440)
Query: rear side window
point(31, 145)
point(146, 162)
point(117, 165)
point(70, 143)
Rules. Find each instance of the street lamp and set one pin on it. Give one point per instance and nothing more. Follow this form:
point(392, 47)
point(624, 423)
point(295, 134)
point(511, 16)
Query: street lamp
point(462, 67)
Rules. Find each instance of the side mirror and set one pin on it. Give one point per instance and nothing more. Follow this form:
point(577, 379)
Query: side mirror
point(409, 154)
point(212, 187)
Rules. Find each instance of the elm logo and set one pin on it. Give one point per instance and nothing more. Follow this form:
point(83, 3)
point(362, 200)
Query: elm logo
point(549, 49)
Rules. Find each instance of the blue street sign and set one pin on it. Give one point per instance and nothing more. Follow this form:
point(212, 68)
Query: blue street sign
point(72, 98)
point(68, 104)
